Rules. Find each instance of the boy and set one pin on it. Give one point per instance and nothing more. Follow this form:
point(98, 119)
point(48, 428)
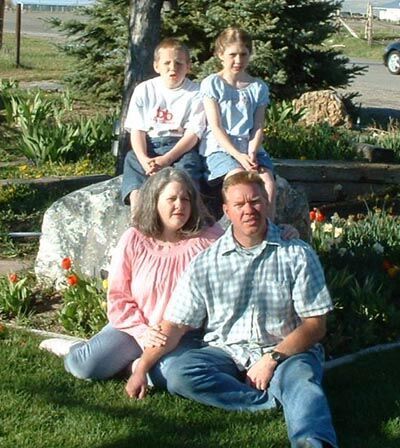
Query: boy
point(165, 119)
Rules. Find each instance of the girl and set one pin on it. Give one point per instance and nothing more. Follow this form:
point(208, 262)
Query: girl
point(235, 104)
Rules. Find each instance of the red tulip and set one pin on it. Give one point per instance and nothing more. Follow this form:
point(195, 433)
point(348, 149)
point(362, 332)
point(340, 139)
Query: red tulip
point(66, 263)
point(387, 264)
point(319, 216)
point(72, 279)
point(13, 278)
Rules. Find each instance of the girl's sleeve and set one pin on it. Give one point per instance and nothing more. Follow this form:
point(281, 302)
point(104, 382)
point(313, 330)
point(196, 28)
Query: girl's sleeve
point(263, 95)
point(122, 310)
point(209, 88)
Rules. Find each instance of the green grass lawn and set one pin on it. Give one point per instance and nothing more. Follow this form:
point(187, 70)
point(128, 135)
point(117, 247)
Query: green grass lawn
point(42, 406)
point(40, 59)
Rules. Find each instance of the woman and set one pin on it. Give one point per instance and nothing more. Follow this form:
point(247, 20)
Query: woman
point(170, 227)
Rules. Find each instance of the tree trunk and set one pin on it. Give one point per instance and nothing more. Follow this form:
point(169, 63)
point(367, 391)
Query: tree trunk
point(2, 7)
point(144, 32)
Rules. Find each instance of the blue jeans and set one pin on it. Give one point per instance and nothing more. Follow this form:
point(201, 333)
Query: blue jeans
point(111, 352)
point(210, 376)
point(134, 175)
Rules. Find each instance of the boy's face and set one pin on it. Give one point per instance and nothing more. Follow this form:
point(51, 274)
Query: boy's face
point(173, 66)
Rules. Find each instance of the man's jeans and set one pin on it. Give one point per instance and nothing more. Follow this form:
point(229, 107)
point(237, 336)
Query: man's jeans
point(210, 376)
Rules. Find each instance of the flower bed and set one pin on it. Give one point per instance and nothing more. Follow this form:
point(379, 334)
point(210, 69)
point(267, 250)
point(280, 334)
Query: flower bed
point(360, 255)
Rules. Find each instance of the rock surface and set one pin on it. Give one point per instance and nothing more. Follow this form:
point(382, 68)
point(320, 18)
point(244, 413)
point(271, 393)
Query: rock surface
point(86, 224)
point(323, 106)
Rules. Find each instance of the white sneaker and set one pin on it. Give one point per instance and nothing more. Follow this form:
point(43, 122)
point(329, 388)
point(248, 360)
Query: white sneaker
point(58, 346)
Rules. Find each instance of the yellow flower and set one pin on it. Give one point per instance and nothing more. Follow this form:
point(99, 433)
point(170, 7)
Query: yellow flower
point(23, 168)
point(303, 158)
point(105, 283)
point(103, 305)
point(393, 271)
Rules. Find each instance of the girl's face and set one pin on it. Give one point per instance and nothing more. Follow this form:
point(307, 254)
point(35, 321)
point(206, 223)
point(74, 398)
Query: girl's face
point(174, 207)
point(235, 58)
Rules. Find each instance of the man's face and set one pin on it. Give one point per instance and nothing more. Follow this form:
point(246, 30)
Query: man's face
point(172, 65)
point(246, 207)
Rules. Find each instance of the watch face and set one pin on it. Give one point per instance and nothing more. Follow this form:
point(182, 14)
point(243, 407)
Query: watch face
point(276, 357)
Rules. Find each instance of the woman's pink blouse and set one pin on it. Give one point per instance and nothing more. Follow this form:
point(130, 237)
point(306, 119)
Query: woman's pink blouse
point(143, 274)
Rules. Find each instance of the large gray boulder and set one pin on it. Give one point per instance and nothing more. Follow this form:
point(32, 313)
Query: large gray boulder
point(86, 224)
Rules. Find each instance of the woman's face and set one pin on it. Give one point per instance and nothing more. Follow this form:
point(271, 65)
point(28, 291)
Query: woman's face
point(174, 207)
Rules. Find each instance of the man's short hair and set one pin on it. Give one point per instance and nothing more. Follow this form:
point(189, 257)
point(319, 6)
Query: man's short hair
point(243, 178)
point(175, 44)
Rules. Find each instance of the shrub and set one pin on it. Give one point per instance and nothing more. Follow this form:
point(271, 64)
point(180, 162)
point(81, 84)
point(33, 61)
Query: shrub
point(288, 139)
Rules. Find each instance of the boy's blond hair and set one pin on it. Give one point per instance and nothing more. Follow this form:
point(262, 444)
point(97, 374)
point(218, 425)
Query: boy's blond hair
point(175, 44)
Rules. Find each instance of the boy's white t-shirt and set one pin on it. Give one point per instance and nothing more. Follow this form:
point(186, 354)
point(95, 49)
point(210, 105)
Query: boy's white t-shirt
point(164, 112)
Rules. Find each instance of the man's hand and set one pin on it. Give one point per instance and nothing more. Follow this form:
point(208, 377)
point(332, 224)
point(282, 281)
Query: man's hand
point(259, 375)
point(136, 387)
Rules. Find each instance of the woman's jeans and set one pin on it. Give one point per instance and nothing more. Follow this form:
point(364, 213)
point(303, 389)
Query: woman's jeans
point(210, 376)
point(111, 352)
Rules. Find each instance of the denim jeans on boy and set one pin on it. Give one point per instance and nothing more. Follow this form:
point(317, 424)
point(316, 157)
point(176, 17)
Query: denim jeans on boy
point(111, 351)
point(210, 376)
point(134, 175)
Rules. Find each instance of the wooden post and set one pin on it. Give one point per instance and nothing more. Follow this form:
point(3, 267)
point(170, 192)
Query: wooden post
point(2, 8)
point(18, 34)
point(368, 24)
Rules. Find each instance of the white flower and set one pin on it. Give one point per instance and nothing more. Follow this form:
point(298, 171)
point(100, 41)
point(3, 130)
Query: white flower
point(378, 248)
point(338, 232)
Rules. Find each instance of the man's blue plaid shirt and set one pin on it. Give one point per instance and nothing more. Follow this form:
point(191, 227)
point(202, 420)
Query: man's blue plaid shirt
point(248, 300)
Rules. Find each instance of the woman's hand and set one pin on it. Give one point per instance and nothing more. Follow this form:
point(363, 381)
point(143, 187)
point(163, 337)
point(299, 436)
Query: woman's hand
point(153, 337)
point(288, 232)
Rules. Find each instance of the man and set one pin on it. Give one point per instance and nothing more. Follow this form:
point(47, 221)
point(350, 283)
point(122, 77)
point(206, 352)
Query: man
point(263, 304)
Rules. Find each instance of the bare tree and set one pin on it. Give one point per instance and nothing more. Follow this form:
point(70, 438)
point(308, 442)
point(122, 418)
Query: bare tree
point(144, 32)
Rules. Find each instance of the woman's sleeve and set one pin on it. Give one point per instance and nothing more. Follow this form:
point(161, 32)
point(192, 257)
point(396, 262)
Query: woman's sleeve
point(122, 309)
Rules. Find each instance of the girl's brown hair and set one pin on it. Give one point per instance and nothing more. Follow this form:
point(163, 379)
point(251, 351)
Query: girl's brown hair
point(231, 36)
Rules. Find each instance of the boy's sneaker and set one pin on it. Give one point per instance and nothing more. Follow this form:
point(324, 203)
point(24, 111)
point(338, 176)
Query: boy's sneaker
point(58, 346)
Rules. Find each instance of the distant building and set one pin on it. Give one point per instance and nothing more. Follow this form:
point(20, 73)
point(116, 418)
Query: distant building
point(53, 4)
point(390, 11)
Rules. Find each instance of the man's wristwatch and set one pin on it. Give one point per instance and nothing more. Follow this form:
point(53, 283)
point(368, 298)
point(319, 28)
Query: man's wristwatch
point(277, 356)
